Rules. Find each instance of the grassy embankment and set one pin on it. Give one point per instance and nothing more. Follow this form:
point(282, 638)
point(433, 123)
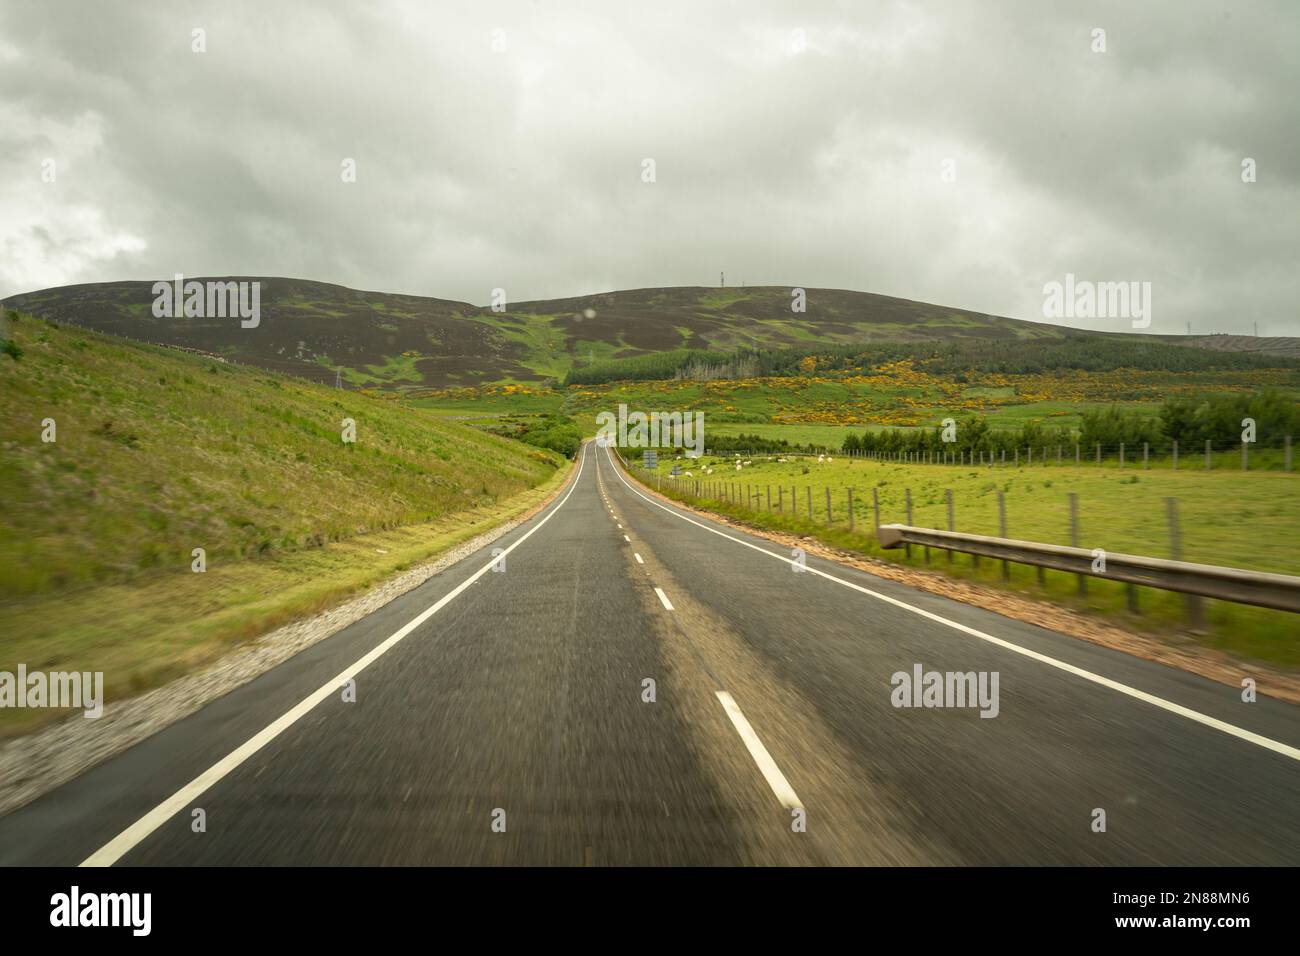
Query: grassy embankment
point(158, 452)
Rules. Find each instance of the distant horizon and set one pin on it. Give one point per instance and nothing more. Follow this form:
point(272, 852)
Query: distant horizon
point(511, 304)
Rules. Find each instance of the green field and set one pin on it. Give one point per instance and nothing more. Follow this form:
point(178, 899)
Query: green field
point(818, 410)
point(158, 452)
point(1246, 520)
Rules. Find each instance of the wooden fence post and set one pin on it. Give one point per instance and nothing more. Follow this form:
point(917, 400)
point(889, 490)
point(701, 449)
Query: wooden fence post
point(1074, 540)
point(1195, 606)
point(1002, 532)
point(948, 492)
point(907, 498)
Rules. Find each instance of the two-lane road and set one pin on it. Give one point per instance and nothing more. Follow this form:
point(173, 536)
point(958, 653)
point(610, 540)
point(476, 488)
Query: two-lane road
point(640, 685)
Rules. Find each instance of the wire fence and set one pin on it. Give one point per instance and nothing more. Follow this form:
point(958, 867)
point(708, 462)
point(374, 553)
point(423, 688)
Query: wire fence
point(800, 506)
point(1273, 455)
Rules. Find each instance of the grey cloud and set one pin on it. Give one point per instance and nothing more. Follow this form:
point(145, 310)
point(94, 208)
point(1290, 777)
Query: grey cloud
point(521, 169)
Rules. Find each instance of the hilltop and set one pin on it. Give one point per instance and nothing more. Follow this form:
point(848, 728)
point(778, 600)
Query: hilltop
point(383, 340)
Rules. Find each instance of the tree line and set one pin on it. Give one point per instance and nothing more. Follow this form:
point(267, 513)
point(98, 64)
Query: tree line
point(1217, 418)
point(956, 359)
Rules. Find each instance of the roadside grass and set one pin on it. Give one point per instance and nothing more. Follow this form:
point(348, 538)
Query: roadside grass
point(159, 452)
point(167, 626)
point(1246, 520)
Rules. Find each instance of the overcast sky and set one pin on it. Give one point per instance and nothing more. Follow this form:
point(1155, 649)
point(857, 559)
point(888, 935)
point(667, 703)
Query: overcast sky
point(799, 143)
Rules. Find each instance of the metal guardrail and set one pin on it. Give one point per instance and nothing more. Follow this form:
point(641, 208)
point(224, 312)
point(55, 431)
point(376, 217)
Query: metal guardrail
point(1278, 591)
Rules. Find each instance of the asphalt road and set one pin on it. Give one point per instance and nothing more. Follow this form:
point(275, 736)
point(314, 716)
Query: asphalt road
point(501, 718)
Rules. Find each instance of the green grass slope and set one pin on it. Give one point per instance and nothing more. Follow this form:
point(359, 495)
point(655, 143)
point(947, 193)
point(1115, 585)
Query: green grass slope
point(159, 452)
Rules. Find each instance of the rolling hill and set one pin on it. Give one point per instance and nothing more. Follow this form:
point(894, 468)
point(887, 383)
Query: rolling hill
point(382, 340)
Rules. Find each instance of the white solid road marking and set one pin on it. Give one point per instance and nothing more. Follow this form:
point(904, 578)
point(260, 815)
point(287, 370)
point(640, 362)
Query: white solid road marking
point(1231, 729)
point(638, 558)
point(771, 772)
point(129, 838)
point(664, 598)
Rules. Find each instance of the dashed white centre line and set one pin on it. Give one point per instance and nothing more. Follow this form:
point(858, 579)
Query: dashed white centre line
point(638, 558)
point(627, 539)
point(664, 599)
point(771, 772)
